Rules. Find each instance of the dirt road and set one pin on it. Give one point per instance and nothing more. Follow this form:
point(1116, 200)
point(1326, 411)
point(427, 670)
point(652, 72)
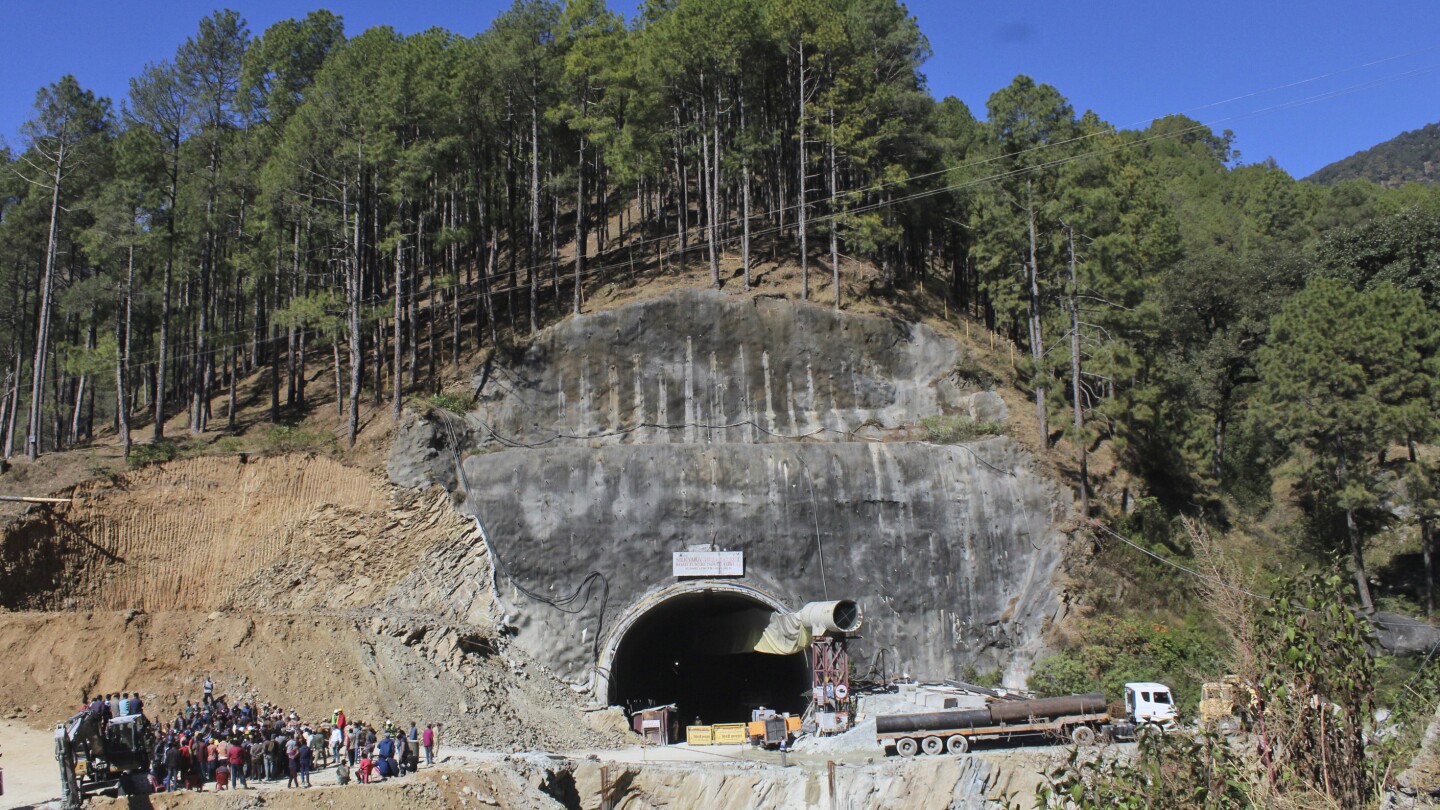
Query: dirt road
point(28, 757)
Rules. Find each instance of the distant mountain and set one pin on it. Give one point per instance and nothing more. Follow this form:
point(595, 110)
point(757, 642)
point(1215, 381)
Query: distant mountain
point(1409, 157)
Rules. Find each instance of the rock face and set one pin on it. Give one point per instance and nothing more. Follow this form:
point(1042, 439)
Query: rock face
point(1402, 635)
point(785, 431)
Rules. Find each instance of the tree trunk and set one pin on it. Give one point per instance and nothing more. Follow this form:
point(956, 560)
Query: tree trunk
point(200, 395)
point(834, 215)
point(1357, 560)
point(122, 355)
point(712, 212)
point(1352, 530)
point(1217, 456)
point(42, 333)
point(273, 337)
point(166, 282)
point(399, 310)
point(356, 292)
point(81, 387)
point(1037, 337)
point(579, 225)
point(534, 213)
point(1427, 547)
point(800, 212)
point(1076, 403)
point(745, 207)
point(707, 196)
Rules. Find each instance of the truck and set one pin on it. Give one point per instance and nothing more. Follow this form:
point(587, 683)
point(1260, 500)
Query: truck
point(1081, 719)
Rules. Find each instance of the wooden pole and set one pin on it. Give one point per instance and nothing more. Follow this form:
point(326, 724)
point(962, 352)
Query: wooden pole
point(28, 499)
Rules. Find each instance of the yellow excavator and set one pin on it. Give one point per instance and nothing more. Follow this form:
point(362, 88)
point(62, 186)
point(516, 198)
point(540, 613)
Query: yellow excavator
point(1221, 703)
point(99, 756)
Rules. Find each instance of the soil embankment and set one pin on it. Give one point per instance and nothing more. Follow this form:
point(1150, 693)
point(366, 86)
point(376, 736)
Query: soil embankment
point(293, 579)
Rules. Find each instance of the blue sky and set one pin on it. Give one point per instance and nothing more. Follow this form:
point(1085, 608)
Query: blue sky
point(1375, 66)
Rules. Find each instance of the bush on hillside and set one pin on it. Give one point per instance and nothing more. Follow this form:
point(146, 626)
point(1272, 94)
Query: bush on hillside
point(285, 439)
point(143, 455)
point(957, 429)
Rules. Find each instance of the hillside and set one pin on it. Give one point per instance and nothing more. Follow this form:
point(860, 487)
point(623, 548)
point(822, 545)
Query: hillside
point(1410, 157)
point(520, 380)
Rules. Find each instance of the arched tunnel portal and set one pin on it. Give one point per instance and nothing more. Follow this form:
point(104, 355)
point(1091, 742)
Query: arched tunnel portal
point(693, 645)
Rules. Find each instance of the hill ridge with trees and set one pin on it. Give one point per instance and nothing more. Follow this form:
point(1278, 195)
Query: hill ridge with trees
point(1410, 157)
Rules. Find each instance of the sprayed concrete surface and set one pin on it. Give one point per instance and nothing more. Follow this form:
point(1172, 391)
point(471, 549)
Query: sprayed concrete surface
point(783, 430)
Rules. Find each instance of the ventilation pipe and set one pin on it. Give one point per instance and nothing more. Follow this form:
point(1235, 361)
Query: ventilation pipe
point(839, 616)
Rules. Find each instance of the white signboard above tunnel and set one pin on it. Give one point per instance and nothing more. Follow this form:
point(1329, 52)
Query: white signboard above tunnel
point(708, 564)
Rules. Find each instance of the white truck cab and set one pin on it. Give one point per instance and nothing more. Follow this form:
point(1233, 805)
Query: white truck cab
point(1150, 703)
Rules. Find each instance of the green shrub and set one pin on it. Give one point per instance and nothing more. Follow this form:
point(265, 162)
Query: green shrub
point(284, 439)
point(1114, 653)
point(958, 428)
point(990, 679)
point(1173, 771)
point(450, 402)
point(230, 444)
point(143, 455)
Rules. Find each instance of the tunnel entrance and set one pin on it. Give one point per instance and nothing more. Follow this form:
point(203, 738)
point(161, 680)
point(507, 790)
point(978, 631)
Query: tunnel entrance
point(696, 650)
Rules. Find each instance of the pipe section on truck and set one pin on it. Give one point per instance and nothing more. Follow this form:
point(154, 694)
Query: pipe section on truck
point(1009, 711)
point(930, 721)
point(997, 713)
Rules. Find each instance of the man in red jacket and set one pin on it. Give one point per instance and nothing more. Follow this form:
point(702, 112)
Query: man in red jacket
point(236, 756)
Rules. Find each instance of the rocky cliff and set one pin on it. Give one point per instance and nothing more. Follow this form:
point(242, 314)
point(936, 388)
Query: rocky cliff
point(783, 430)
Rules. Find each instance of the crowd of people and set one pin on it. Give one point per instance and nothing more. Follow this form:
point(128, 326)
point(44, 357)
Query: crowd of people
point(230, 744)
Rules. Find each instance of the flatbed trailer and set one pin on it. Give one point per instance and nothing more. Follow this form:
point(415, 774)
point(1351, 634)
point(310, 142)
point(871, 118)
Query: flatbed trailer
point(1081, 729)
point(1081, 719)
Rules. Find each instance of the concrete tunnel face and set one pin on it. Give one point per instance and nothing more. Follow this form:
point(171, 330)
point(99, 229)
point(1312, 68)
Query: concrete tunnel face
point(696, 650)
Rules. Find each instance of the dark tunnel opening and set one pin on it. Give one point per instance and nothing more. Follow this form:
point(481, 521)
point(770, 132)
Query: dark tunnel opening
point(696, 651)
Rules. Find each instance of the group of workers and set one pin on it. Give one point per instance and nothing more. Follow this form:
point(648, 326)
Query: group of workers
point(230, 744)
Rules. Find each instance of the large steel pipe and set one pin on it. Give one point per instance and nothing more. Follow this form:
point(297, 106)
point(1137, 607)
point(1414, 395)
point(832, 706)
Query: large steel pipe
point(930, 721)
point(998, 712)
point(1009, 711)
point(840, 616)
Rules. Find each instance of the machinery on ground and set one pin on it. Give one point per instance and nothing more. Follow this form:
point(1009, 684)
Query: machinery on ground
point(99, 757)
point(1079, 718)
point(768, 729)
point(1220, 704)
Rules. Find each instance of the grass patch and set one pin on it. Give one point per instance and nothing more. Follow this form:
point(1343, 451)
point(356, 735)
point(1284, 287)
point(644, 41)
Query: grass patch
point(285, 439)
point(958, 428)
point(143, 455)
point(449, 402)
point(229, 444)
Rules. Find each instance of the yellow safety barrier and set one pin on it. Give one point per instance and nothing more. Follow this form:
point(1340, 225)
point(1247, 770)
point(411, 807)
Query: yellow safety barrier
point(699, 735)
point(729, 733)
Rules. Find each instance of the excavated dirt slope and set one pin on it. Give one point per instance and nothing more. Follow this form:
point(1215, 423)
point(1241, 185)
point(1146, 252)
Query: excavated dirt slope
point(292, 578)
